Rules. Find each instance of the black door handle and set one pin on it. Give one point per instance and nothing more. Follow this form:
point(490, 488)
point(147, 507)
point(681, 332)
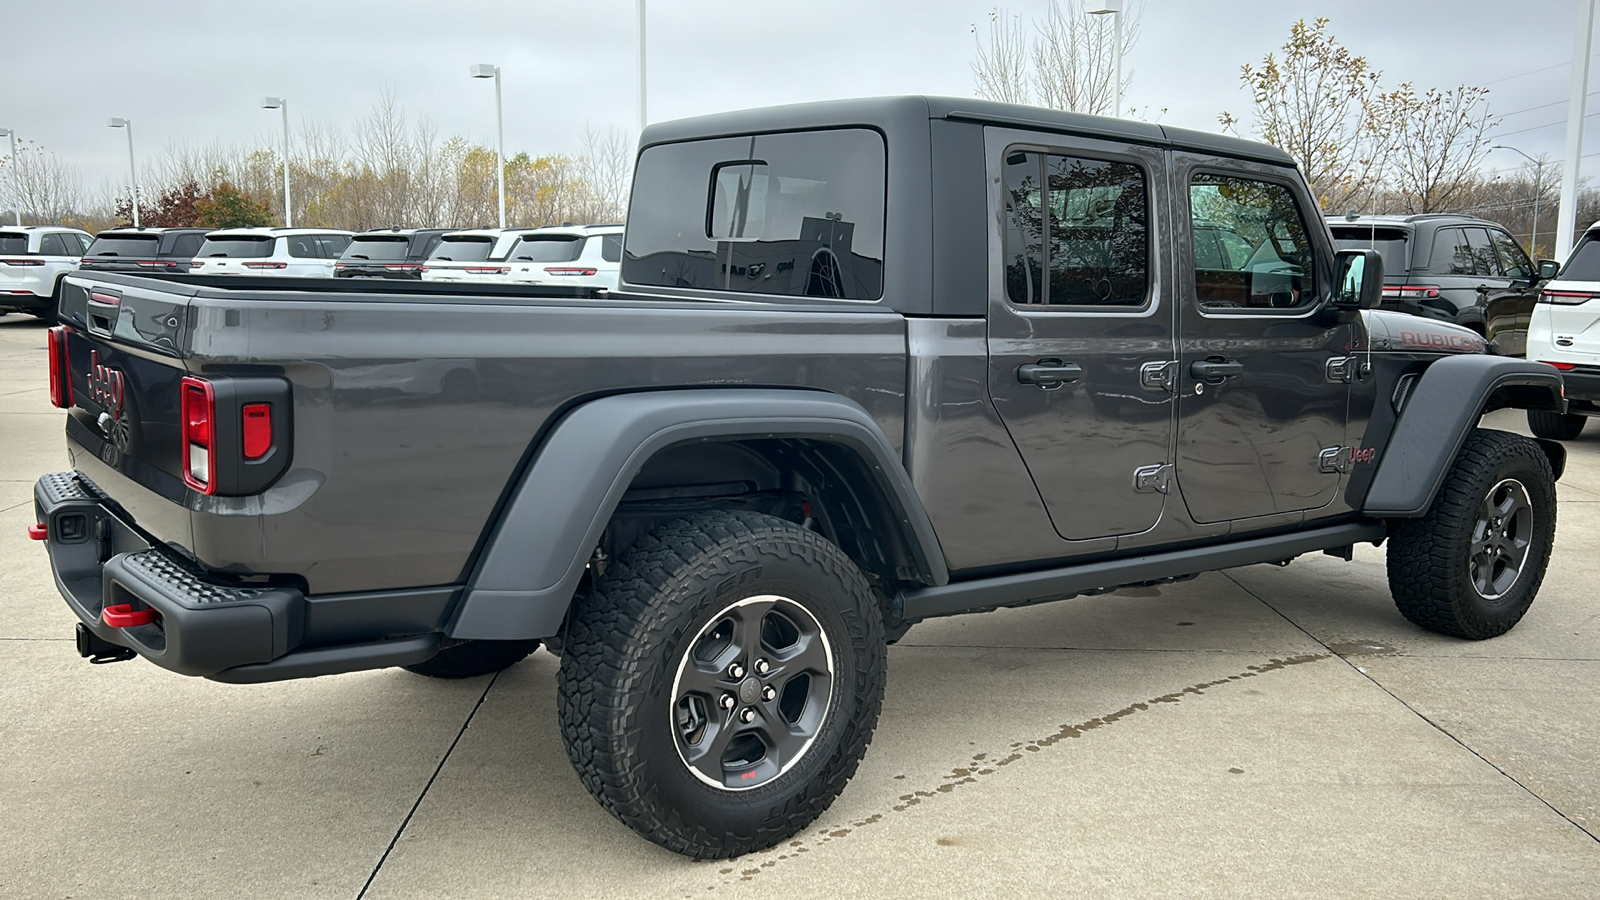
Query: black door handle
point(1049, 373)
point(1209, 369)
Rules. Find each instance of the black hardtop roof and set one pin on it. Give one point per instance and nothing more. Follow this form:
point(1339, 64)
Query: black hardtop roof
point(882, 111)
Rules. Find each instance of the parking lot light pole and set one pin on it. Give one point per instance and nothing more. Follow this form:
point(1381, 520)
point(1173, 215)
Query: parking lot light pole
point(133, 171)
point(1112, 8)
point(484, 70)
point(1538, 189)
point(643, 116)
point(1577, 104)
point(16, 180)
point(280, 103)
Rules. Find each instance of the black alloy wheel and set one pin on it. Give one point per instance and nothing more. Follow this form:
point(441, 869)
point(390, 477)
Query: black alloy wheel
point(1501, 539)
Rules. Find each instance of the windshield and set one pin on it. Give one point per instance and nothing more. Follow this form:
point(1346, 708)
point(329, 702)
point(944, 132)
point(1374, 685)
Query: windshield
point(548, 248)
point(1584, 263)
point(141, 245)
point(237, 246)
point(1389, 242)
point(472, 248)
point(11, 242)
point(389, 246)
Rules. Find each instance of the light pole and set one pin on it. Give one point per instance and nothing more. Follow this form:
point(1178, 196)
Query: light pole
point(280, 103)
point(1112, 8)
point(1577, 102)
point(643, 118)
point(1538, 189)
point(133, 171)
point(16, 180)
point(484, 70)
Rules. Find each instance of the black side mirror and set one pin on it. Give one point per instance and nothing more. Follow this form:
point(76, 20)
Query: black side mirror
point(1360, 280)
point(1548, 269)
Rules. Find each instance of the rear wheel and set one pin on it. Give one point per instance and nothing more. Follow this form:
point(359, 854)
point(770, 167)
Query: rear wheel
point(722, 681)
point(1471, 566)
point(1555, 426)
point(474, 658)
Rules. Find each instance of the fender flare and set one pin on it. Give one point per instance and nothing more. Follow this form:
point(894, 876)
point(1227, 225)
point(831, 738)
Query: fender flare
point(1446, 404)
point(535, 556)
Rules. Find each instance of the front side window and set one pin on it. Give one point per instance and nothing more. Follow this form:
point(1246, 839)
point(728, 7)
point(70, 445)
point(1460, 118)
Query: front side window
point(1513, 262)
point(1484, 261)
point(53, 244)
point(794, 214)
point(1270, 267)
point(1088, 228)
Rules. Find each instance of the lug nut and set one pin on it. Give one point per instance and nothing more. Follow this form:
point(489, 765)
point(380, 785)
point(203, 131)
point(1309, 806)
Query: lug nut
point(747, 716)
point(736, 671)
point(762, 667)
point(728, 701)
point(768, 692)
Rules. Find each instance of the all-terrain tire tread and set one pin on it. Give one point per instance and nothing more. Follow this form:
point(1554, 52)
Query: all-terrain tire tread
point(1555, 426)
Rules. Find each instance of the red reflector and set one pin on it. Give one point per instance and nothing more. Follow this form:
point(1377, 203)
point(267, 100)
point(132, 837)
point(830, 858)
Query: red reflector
point(1565, 367)
point(38, 532)
point(123, 615)
point(60, 373)
point(197, 407)
point(568, 270)
point(257, 430)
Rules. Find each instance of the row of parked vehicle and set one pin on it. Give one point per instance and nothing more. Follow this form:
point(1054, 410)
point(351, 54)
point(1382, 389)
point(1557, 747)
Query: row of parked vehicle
point(34, 258)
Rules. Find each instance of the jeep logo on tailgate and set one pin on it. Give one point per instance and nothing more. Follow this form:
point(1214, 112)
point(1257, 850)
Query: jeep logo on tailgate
point(105, 385)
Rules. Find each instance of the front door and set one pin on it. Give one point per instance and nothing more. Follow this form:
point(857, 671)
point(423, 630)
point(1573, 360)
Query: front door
point(1080, 327)
point(1262, 364)
point(1508, 305)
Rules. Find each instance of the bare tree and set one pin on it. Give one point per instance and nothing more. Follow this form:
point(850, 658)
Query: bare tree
point(606, 168)
point(1441, 137)
point(1068, 63)
point(1001, 69)
point(50, 191)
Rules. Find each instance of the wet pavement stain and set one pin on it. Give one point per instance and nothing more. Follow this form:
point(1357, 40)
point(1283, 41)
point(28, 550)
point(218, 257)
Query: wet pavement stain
point(981, 766)
point(1362, 648)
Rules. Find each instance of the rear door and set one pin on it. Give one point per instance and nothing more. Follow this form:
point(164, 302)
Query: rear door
point(1261, 407)
point(1080, 326)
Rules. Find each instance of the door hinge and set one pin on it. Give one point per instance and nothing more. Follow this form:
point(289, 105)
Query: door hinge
point(1152, 479)
point(1159, 376)
point(1334, 460)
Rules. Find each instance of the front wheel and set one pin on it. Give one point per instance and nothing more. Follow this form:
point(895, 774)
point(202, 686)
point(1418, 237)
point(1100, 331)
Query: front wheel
point(1555, 426)
point(722, 681)
point(1471, 566)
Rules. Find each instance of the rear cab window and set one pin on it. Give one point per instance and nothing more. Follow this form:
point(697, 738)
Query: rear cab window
point(797, 214)
point(253, 246)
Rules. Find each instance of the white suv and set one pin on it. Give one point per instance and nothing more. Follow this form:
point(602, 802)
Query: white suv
point(1565, 332)
point(285, 252)
point(570, 256)
point(32, 260)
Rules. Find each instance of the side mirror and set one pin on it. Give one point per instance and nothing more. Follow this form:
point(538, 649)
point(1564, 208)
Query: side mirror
point(1360, 280)
point(1548, 269)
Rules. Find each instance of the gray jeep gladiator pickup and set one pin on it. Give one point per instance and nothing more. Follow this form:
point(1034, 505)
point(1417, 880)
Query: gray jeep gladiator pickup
point(871, 362)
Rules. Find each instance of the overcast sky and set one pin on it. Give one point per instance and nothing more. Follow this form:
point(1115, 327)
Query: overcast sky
point(194, 72)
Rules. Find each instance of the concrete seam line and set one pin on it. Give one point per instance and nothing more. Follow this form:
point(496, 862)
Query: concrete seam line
point(425, 788)
point(1413, 710)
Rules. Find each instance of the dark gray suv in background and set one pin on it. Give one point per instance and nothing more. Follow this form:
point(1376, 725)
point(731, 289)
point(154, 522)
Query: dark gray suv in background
point(168, 250)
point(1458, 269)
point(388, 253)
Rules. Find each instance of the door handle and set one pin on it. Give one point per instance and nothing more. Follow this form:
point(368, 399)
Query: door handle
point(1215, 370)
point(1049, 373)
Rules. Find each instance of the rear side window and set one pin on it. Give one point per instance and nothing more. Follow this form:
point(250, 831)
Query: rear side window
point(389, 246)
point(55, 244)
point(425, 245)
point(550, 248)
point(187, 245)
point(1584, 263)
point(1391, 244)
point(796, 214)
point(611, 247)
point(1463, 251)
point(134, 246)
point(12, 242)
point(237, 246)
point(1263, 215)
point(464, 249)
point(1088, 229)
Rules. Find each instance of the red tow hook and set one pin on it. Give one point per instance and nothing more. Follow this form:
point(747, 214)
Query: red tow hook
point(123, 615)
point(38, 532)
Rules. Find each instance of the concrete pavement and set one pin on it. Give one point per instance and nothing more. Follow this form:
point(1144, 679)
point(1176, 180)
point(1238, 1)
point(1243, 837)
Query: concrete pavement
point(1263, 732)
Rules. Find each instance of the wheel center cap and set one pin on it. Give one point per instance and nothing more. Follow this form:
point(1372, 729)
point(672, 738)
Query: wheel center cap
point(750, 690)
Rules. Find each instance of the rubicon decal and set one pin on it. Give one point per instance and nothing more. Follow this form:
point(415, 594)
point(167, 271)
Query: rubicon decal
point(105, 386)
point(1436, 340)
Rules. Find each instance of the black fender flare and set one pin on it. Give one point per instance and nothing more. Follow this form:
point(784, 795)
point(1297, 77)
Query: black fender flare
point(1451, 396)
point(536, 553)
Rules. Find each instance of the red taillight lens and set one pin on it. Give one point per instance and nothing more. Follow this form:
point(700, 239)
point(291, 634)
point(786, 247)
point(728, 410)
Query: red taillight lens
point(402, 267)
point(21, 262)
point(568, 270)
point(156, 264)
point(60, 373)
point(487, 270)
point(1565, 367)
point(257, 430)
point(266, 265)
point(1411, 291)
point(196, 263)
point(1566, 298)
point(197, 411)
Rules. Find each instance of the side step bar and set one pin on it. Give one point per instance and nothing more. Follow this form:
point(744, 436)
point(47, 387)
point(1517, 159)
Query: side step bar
point(1058, 584)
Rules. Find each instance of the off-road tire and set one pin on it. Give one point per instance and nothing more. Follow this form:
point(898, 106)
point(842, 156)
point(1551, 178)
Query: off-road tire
point(1429, 558)
point(474, 658)
point(627, 643)
point(1555, 426)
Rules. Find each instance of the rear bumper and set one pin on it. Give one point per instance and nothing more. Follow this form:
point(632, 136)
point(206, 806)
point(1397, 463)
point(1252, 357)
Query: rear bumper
point(199, 627)
point(18, 298)
point(1582, 386)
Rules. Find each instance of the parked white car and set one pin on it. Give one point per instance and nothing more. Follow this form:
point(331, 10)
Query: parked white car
point(477, 254)
point(1565, 332)
point(569, 256)
point(32, 260)
point(284, 252)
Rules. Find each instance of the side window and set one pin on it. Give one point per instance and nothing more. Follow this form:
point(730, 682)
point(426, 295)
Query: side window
point(333, 244)
point(1089, 230)
point(611, 247)
point(1484, 261)
point(187, 245)
point(1452, 255)
point(301, 246)
point(52, 245)
point(1513, 261)
point(1207, 253)
point(1270, 265)
point(83, 242)
point(427, 246)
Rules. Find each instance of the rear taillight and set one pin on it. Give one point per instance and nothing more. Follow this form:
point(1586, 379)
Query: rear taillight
point(156, 264)
point(196, 263)
point(1411, 291)
point(402, 267)
point(60, 372)
point(567, 270)
point(197, 409)
point(256, 430)
point(1566, 298)
point(487, 270)
point(266, 265)
point(1565, 367)
point(21, 262)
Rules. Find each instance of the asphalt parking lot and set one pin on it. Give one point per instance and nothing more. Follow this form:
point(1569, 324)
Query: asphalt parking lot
point(1263, 732)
